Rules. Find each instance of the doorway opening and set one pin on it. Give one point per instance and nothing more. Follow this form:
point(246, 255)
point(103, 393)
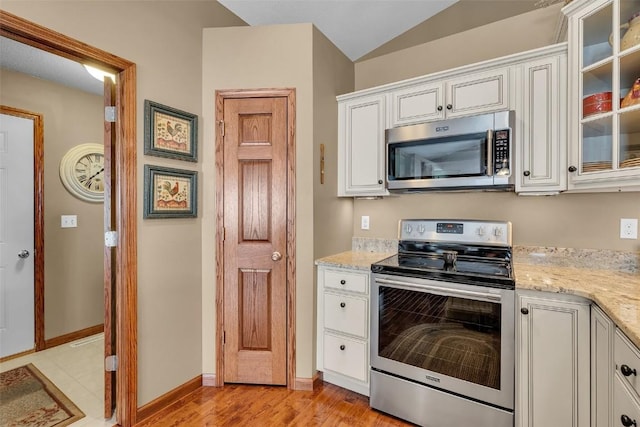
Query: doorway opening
point(123, 198)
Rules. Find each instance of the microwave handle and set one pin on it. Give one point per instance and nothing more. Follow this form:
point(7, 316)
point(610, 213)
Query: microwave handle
point(489, 152)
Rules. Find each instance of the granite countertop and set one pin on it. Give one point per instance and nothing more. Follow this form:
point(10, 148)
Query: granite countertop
point(616, 293)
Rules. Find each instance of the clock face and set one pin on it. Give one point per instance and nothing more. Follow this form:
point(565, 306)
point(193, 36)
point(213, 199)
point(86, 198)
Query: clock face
point(89, 171)
point(82, 172)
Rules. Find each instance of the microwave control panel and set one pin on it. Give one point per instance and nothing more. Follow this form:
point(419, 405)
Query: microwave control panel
point(501, 151)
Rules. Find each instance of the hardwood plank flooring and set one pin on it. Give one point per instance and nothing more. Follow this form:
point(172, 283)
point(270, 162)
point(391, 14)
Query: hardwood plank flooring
point(254, 405)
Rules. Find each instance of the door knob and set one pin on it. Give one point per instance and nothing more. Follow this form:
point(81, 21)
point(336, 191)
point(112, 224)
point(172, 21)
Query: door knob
point(23, 254)
point(276, 256)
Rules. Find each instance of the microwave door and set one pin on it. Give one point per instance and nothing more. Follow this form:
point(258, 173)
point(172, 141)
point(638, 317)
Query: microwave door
point(450, 157)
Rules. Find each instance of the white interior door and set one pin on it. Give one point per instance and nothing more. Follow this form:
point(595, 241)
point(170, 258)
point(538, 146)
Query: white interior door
point(17, 331)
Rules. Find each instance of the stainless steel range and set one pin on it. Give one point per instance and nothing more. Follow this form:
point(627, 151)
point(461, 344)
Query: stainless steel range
point(442, 325)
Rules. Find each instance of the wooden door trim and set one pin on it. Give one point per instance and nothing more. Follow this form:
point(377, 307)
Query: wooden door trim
point(221, 95)
point(38, 217)
point(22, 30)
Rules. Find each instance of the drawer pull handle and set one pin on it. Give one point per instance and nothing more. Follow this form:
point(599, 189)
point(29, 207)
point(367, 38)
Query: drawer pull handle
point(627, 371)
point(343, 305)
point(524, 310)
point(342, 347)
point(342, 282)
point(626, 421)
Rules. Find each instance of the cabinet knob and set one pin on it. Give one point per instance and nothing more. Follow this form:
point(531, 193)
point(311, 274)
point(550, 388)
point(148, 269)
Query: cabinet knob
point(380, 181)
point(626, 421)
point(343, 305)
point(342, 347)
point(439, 107)
point(449, 107)
point(524, 310)
point(342, 282)
point(572, 168)
point(526, 173)
point(627, 371)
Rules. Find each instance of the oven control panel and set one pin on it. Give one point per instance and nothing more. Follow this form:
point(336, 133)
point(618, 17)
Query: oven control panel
point(460, 231)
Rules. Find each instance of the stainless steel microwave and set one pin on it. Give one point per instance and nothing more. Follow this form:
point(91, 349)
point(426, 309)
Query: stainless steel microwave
point(468, 153)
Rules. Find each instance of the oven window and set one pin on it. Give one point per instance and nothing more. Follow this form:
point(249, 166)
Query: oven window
point(457, 156)
point(452, 336)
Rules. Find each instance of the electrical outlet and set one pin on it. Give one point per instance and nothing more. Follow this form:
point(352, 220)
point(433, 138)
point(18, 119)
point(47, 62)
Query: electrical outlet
point(69, 221)
point(628, 228)
point(364, 223)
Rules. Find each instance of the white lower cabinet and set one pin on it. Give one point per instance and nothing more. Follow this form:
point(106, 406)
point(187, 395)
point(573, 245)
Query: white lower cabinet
point(552, 360)
point(343, 327)
point(626, 394)
point(602, 368)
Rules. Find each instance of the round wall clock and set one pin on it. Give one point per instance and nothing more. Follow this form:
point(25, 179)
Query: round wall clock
point(82, 172)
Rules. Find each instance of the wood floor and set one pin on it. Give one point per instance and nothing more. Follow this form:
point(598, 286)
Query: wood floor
point(250, 405)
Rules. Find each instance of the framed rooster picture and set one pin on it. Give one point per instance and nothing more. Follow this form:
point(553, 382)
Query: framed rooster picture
point(169, 132)
point(170, 193)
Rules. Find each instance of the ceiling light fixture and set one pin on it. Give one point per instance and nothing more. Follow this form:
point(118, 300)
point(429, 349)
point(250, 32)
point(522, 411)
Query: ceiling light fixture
point(99, 74)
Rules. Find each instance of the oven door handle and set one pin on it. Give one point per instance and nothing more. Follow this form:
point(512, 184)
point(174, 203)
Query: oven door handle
point(442, 291)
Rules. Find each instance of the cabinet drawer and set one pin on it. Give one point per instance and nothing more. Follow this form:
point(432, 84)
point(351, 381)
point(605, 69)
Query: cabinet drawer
point(346, 314)
point(347, 281)
point(346, 356)
point(624, 404)
point(626, 355)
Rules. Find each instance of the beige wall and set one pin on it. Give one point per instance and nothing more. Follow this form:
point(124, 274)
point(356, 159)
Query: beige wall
point(73, 273)
point(164, 39)
point(333, 74)
point(522, 32)
point(567, 220)
point(277, 56)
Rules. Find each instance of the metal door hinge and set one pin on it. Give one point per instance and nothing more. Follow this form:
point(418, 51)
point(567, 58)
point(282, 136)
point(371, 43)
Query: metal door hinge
point(111, 239)
point(224, 233)
point(224, 337)
point(110, 114)
point(111, 363)
point(221, 123)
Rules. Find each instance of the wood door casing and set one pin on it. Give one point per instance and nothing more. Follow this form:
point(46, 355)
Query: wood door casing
point(125, 193)
point(255, 153)
point(252, 276)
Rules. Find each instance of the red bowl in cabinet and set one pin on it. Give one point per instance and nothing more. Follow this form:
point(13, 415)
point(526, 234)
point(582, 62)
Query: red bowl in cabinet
point(596, 103)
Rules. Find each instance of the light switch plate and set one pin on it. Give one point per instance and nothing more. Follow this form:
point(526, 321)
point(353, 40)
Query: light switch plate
point(69, 221)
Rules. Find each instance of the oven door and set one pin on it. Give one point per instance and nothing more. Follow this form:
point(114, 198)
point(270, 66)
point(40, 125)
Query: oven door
point(453, 337)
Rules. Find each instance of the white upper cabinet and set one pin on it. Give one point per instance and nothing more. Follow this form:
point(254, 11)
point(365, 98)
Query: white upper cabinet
point(465, 95)
point(419, 103)
point(541, 130)
point(604, 132)
point(478, 93)
point(361, 159)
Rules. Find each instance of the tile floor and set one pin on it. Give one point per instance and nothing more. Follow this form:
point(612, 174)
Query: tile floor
point(76, 369)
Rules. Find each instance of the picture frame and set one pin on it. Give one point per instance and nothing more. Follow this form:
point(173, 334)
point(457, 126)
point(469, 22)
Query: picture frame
point(169, 132)
point(170, 193)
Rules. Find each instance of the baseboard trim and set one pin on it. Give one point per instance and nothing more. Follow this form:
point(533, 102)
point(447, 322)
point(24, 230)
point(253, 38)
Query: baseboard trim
point(15, 356)
point(168, 399)
point(67, 338)
point(308, 384)
point(209, 380)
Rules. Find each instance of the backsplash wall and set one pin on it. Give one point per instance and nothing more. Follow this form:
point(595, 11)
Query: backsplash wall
point(587, 221)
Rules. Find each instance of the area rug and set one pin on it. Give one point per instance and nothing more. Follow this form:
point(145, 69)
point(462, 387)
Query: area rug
point(29, 399)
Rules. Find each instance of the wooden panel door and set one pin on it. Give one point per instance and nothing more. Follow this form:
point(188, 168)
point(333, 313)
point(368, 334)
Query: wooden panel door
point(109, 252)
point(255, 228)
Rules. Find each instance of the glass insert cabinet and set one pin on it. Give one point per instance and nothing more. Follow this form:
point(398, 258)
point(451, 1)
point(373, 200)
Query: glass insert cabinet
point(604, 72)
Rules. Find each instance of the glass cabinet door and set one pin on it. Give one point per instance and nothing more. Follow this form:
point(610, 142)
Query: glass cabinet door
point(596, 151)
point(628, 155)
point(610, 68)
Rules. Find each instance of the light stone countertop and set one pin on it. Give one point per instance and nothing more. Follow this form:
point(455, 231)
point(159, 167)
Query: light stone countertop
point(616, 293)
